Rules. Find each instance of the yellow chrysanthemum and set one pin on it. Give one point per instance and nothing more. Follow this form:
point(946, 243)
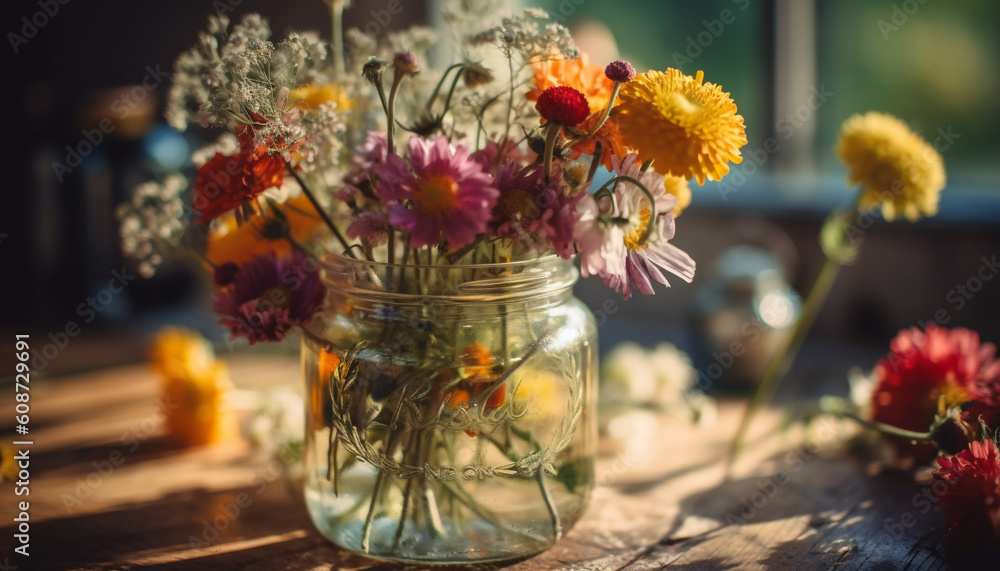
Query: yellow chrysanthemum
point(310, 97)
point(228, 242)
point(689, 127)
point(679, 187)
point(194, 388)
point(896, 168)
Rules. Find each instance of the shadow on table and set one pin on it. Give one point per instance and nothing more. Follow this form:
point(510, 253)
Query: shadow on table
point(853, 517)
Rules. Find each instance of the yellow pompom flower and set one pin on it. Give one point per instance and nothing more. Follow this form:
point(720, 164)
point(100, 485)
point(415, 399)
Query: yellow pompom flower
point(690, 128)
point(679, 187)
point(896, 168)
point(194, 388)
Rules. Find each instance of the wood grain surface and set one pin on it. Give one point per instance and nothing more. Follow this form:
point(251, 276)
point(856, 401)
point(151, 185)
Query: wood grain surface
point(662, 499)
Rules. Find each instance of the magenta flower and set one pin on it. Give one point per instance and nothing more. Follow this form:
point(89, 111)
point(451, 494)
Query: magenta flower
point(446, 193)
point(372, 152)
point(270, 295)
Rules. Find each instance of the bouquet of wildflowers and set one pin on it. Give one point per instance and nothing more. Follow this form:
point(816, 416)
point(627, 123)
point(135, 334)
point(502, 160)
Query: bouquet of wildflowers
point(422, 176)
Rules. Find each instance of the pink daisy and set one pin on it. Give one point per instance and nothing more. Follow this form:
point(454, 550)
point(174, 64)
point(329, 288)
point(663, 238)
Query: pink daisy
point(447, 193)
point(611, 243)
point(268, 296)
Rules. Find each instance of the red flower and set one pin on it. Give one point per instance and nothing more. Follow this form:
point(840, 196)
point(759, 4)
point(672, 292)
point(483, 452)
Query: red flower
point(563, 105)
point(227, 182)
point(972, 495)
point(923, 368)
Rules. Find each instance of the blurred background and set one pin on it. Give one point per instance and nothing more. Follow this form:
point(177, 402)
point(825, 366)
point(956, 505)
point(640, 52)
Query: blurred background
point(89, 80)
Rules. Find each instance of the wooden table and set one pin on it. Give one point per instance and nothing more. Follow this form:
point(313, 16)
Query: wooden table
point(662, 500)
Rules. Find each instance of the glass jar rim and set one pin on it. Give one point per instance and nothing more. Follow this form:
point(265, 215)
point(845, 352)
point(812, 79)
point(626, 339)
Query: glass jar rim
point(490, 282)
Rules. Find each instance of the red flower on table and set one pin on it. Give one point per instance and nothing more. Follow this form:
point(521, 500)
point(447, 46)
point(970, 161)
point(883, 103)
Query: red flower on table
point(923, 371)
point(972, 496)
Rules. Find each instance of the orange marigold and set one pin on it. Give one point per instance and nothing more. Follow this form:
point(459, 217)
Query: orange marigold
point(579, 74)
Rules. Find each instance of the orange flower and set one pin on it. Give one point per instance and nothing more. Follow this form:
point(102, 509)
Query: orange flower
point(478, 372)
point(608, 135)
point(227, 182)
point(579, 74)
point(194, 388)
point(231, 243)
point(319, 398)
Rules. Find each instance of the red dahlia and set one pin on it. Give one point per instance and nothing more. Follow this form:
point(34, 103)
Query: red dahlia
point(563, 105)
point(227, 182)
point(921, 369)
point(971, 496)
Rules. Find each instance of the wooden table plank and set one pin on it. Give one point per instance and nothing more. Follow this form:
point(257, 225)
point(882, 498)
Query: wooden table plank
point(662, 501)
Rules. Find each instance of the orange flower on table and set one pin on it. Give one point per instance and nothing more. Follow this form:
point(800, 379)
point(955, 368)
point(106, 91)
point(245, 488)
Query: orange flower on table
point(8, 465)
point(229, 242)
point(579, 74)
point(194, 388)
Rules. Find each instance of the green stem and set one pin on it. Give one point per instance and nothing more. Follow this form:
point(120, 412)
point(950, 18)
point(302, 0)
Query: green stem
point(550, 504)
point(782, 360)
point(551, 134)
point(887, 429)
point(337, 37)
point(607, 112)
point(319, 210)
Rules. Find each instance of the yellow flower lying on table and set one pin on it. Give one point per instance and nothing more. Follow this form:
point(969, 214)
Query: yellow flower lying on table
point(194, 388)
point(8, 466)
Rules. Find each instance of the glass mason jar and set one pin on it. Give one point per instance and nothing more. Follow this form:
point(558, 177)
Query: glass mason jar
point(451, 414)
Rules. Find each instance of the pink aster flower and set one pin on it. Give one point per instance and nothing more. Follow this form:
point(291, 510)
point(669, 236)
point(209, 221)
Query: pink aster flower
point(270, 295)
point(972, 496)
point(372, 152)
point(529, 212)
point(612, 243)
point(446, 193)
point(601, 242)
point(371, 226)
